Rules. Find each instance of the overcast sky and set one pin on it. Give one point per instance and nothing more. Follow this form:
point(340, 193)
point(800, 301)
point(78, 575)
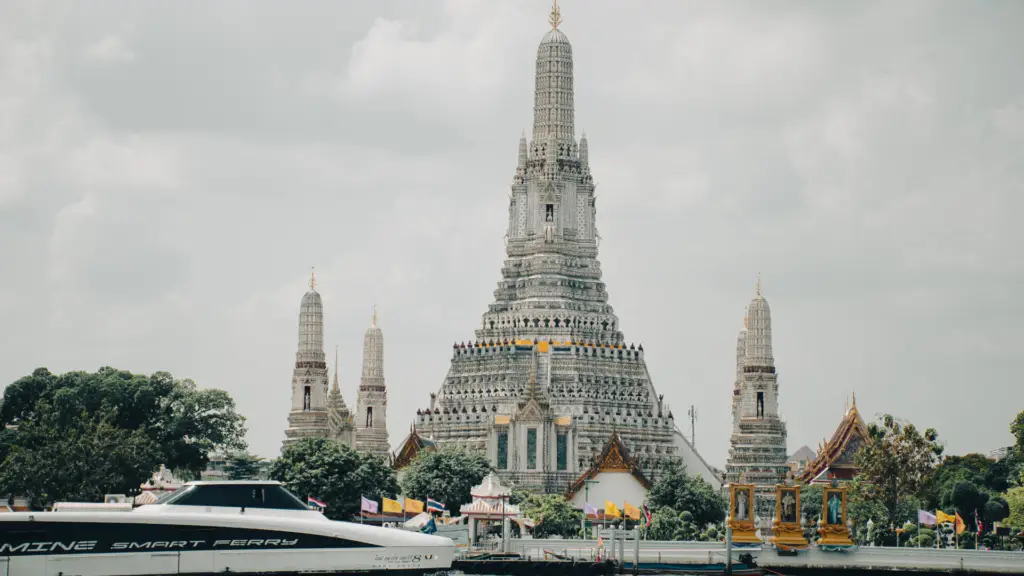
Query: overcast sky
point(169, 172)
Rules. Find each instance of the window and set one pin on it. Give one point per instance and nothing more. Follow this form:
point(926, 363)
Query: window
point(549, 212)
point(502, 450)
point(760, 404)
point(305, 399)
point(369, 417)
point(236, 496)
point(531, 449)
point(561, 447)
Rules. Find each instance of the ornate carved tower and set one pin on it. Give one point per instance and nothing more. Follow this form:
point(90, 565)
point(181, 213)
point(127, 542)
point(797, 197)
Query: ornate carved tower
point(372, 402)
point(758, 450)
point(308, 416)
point(550, 376)
point(339, 419)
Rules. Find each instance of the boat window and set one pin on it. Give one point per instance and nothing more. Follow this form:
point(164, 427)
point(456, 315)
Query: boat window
point(237, 496)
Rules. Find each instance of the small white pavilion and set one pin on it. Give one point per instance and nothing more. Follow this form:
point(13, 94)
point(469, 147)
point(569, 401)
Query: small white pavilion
point(490, 504)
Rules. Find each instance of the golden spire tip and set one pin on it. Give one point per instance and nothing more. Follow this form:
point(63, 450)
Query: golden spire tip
point(312, 278)
point(556, 16)
point(757, 287)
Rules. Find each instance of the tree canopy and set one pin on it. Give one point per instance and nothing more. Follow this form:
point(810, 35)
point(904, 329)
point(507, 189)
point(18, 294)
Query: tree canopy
point(553, 515)
point(447, 475)
point(80, 435)
point(896, 462)
point(687, 493)
point(334, 474)
point(243, 466)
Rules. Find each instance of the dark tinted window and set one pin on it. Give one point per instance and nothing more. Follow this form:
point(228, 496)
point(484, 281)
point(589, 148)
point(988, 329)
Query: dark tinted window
point(237, 496)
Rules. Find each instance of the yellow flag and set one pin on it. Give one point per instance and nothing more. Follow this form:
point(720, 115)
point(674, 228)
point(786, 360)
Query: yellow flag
point(611, 509)
point(632, 512)
point(942, 517)
point(413, 505)
point(392, 506)
point(960, 526)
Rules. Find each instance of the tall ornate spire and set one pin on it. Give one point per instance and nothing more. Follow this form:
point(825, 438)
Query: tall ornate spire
point(373, 354)
point(372, 400)
point(308, 415)
point(759, 331)
point(553, 95)
point(556, 16)
point(336, 388)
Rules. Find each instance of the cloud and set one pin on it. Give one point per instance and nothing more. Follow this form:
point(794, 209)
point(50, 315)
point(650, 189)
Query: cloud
point(109, 49)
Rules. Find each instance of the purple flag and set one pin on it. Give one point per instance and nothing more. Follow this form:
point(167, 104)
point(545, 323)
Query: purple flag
point(368, 506)
point(589, 510)
point(926, 518)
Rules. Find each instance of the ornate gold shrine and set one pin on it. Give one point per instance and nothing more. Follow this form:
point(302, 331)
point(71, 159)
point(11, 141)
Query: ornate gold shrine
point(786, 527)
point(832, 525)
point(741, 514)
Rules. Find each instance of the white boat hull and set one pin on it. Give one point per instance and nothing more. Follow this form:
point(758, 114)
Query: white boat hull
point(150, 544)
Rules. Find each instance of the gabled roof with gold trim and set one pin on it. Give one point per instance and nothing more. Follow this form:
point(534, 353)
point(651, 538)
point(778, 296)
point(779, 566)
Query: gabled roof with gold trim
point(413, 445)
point(614, 458)
point(838, 452)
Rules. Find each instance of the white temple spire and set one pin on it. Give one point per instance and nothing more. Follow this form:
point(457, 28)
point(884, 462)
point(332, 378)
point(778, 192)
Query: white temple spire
point(372, 401)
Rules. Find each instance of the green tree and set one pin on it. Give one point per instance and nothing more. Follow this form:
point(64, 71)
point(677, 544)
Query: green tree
point(677, 490)
point(335, 474)
point(553, 515)
point(446, 475)
point(77, 418)
point(243, 466)
point(895, 462)
point(1015, 500)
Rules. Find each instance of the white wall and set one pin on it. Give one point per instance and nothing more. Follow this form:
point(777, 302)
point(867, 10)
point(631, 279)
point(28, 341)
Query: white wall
point(694, 463)
point(619, 487)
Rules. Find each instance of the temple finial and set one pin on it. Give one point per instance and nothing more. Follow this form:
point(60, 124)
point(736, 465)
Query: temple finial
point(556, 16)
point(854, 400)
point(757, 287)
point(336, 387)
point(312, 278)
point(374, 314)
point(745, 316)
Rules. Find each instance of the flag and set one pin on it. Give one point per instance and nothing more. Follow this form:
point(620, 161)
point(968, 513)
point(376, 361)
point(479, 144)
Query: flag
point(927, 518)
point(430, 527)
point(941, 517)
point(434, 505)
point(960, 526)
point(632, 512)
point(392, 506)
point(313, 502)
point(368, 506)
point(647, 516)
point(415, 506)
point(611, 509)
point(977, 521)
point(589, 510)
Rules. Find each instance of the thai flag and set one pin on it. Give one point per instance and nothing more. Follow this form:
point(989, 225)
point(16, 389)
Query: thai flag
point(434, 505)
point(647, 516)
point(314, 503)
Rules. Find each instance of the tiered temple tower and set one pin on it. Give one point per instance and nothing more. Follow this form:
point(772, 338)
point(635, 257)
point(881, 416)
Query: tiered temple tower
point(372, 402)
point(339, 419)
point(308, 416)
point(550, 376)
point(758, 453)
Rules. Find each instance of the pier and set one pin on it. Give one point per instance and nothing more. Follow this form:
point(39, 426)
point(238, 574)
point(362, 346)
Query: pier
point(659, 557)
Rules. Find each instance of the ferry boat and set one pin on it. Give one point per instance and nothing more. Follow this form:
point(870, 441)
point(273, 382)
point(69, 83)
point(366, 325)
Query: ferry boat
point(236, 527)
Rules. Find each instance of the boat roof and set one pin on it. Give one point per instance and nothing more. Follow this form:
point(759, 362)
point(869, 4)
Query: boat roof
point(233, 483)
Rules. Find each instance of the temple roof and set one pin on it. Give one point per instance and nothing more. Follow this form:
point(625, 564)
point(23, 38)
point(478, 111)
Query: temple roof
point(491, 487)
point(614, 457)
point(838, 452)
point(413, 445)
